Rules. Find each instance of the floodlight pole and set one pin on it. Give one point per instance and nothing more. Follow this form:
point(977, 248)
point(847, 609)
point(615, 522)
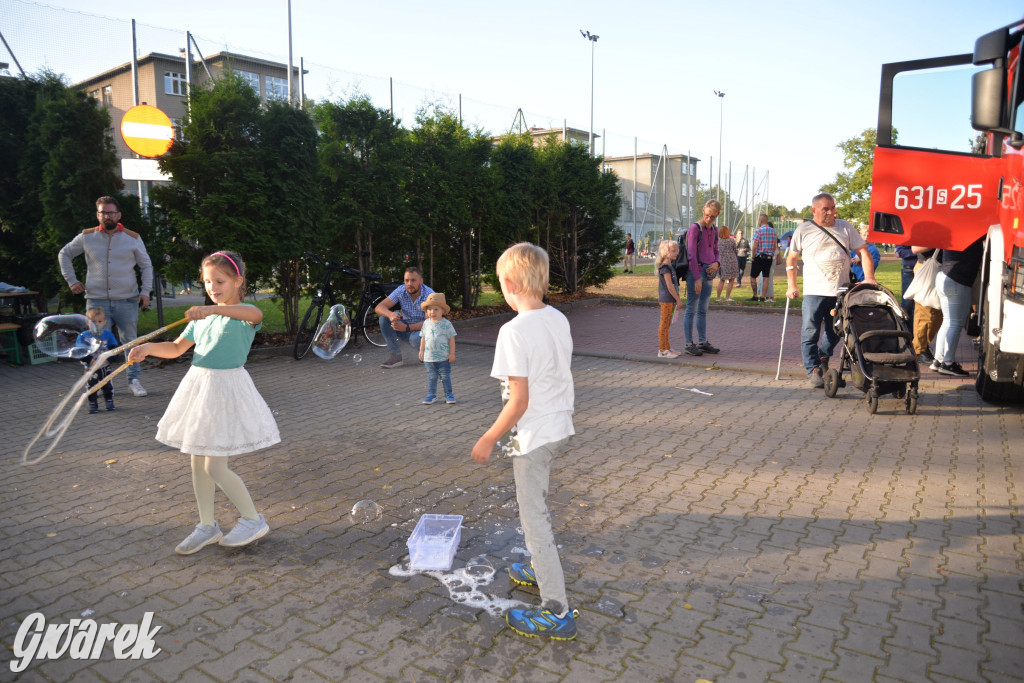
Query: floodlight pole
point(721, 101)
point(593, 41)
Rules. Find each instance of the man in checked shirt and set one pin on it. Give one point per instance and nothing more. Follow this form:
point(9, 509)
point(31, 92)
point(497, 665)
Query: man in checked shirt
point(763, 245)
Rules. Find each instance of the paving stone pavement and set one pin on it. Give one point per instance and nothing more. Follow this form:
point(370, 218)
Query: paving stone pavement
point(760, 533)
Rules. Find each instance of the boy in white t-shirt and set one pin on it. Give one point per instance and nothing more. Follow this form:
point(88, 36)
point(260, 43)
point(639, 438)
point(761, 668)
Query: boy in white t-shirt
point(532, 360)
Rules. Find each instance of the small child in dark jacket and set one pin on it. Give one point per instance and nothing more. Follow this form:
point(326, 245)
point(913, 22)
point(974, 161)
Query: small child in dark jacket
point(102, 340)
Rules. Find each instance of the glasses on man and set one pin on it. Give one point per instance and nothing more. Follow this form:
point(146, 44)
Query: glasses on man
point(107, 213)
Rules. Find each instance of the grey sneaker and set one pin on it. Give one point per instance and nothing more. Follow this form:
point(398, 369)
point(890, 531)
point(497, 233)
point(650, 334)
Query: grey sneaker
point(816, 379)
point(202, 536)
point(136, 388)
point(245, 532)
point(706, 347)
point(393, 361)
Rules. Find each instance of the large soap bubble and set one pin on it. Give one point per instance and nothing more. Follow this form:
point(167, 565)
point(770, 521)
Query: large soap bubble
point(61, 336)
point(480, 567)
point(333, 334)
point(366, 511)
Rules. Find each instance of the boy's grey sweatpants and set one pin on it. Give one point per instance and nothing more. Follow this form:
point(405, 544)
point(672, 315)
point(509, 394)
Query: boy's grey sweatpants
point(532, 473)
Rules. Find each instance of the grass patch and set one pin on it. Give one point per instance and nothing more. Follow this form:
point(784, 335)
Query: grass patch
point(273, 316)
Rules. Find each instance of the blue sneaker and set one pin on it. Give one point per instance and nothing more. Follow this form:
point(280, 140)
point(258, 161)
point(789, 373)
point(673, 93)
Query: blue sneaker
point(93, 408)
point(522, 574)
point(541, 622)
point(110, 404)
point(430, 399)
point(449, 398)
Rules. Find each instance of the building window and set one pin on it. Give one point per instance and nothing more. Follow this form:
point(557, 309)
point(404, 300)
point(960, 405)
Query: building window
point(179, 135)
point(277, 88)
point(108, 96)
point(250, 78)
point(174, 83)
point(641, 200)
point(95, 94)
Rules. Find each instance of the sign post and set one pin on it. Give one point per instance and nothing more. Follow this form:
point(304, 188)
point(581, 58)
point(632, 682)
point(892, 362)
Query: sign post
point(149, 133)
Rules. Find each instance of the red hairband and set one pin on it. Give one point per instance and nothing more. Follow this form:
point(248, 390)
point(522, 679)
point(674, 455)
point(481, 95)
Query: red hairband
point(221, 253)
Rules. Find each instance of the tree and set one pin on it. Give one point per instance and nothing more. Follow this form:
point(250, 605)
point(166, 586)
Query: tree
point(363, 176)
point(56, 158)
point(578, 207)
point(244, 179)
point(852, 188)
point(450, 190)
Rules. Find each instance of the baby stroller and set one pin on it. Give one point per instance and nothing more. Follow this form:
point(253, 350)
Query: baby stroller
point(876, 348)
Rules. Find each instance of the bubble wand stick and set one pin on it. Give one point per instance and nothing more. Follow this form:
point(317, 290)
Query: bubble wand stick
point(48, 429)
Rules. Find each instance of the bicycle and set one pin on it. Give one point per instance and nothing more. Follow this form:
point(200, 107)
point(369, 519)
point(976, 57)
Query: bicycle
point(365, 319)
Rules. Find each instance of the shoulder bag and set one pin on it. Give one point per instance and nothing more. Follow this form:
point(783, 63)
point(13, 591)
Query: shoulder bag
point(846, 250)
point(922, 289)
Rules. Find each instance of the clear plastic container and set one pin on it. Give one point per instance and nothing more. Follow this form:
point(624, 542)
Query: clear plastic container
point(434, 541)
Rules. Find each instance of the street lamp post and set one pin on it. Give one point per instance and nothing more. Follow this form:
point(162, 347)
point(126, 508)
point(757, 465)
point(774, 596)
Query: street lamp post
point(593, 40)
point(721, 101)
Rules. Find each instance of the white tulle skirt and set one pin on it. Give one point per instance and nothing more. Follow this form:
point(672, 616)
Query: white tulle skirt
point(217, 412)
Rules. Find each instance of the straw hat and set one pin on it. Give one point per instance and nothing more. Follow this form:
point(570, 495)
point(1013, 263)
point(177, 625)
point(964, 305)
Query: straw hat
point(435, 299)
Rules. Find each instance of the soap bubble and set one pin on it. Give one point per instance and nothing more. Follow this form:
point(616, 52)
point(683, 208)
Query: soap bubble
point(480, 567)
point(57, 335)
point(357, 358)
point(333, 334)
point(366, 511)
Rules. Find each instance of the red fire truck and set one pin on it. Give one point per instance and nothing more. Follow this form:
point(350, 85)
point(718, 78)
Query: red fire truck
point(939, 185)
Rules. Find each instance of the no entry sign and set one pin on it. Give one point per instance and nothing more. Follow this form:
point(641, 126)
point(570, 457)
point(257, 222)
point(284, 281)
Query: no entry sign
point(147, 131)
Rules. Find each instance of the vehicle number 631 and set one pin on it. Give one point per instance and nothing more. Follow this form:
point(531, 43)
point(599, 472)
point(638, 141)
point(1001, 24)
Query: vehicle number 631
point(921, 197)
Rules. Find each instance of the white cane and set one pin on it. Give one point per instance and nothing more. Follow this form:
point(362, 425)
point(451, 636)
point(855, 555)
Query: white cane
point(783, 340)
point(784, 317)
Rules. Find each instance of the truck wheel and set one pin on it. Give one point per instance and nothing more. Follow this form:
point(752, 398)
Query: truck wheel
point(996, 392)
point(988, 390)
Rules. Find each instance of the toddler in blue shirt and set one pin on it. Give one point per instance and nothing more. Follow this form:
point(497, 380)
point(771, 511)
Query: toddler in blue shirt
point(100, 339)
point(437, 347)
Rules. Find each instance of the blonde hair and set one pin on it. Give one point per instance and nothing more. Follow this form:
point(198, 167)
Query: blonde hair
point(229, 262)
point(723, 232)
point(93, 310)
point(713, 204)
point(526, 266)
point(663, 250)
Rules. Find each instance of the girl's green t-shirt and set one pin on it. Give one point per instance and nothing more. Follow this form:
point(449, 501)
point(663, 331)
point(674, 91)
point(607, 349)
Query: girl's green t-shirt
point(221, 343)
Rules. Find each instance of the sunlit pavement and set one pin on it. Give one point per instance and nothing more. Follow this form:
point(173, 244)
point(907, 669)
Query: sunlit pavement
point(762, 532)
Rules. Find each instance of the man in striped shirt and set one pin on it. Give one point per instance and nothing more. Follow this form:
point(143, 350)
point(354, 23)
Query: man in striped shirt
point(763, 245)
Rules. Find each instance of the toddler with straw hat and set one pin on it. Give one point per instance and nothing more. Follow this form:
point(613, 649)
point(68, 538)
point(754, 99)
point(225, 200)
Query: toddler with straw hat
point(437, 347)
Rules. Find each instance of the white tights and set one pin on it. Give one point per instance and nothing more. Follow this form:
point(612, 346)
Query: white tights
point(208, 472)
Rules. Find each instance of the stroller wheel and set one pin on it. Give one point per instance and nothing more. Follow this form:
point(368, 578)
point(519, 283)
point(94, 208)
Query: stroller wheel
point(872, 403)
point(911, 403)
point(831, 382)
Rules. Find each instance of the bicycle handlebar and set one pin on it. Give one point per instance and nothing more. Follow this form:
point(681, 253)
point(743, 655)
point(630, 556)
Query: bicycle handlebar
point(342, 267)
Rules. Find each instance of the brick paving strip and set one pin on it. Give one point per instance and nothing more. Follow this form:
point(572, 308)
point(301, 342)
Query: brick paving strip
point(760, 533)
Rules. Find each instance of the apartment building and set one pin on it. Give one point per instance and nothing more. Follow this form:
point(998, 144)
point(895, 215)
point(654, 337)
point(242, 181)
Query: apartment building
point(162, 84)
point(665, 186)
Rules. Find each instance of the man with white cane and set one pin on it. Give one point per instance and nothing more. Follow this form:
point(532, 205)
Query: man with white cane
point(825, 244)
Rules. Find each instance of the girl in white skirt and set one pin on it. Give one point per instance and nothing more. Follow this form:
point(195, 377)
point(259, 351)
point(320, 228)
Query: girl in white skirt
point(216, 411)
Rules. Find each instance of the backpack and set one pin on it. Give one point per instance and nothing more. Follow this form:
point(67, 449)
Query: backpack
point(682, 264)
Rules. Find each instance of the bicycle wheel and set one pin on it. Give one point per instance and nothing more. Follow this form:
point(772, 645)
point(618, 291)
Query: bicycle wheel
point(371, 325)
point(307, 328)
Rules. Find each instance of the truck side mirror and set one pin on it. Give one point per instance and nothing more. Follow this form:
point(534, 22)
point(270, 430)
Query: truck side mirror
point(988, 94)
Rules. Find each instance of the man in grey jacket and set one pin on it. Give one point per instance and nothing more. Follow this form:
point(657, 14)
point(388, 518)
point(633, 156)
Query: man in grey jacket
point(111, 254)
